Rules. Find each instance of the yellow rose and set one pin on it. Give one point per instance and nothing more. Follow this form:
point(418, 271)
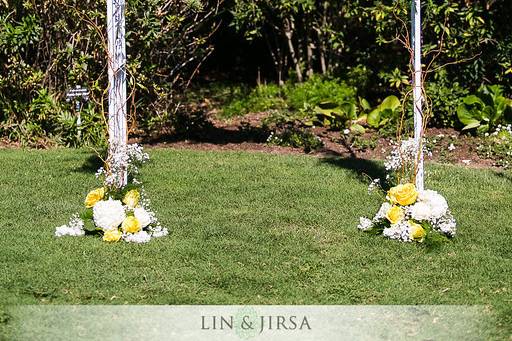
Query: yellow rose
point(112, 235)
point(131, 198)
point(418, 233)
point(403, 194)
point(94, 196)
point(131, 225)
point(395, 214)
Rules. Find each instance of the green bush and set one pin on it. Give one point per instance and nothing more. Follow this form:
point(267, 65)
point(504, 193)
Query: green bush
point(317, 90)
point(485, 110)
point(444, 97)
point(292, 136)
point(262, 98)
point(299, 99)
point(47, 47)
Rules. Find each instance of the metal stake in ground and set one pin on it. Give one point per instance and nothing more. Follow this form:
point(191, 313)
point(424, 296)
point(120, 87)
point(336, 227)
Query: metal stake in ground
point(80, 96)
point(417, 89)
point(117, 118)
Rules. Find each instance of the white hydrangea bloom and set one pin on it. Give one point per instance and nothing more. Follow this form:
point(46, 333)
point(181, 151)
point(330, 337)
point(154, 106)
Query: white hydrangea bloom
point(74, 228)
point(139, 237)
point(446, 224)
point(420, 211)
point(364, 224)
point(142, 216)
point(108, 214)
point(436, 202)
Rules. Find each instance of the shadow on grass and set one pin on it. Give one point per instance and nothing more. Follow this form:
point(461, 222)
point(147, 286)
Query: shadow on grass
point(364, 170)
point(506, 175)
point(91, 165)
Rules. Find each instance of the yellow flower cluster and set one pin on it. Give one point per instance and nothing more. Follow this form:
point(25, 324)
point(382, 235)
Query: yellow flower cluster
point(130, 224)
point(404, 195)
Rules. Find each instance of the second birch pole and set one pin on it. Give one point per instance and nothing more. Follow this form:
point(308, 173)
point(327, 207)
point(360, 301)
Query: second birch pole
point(417, 90)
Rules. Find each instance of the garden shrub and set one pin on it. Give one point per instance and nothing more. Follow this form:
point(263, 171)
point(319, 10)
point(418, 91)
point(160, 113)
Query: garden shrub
point(261, 98)
point(48, 46)
point(445, 97)
point(317, 90)
point(297, 137)
point(485, 110)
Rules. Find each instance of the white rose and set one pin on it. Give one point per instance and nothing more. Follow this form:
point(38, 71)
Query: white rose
point(108, 214)
point(142, 216)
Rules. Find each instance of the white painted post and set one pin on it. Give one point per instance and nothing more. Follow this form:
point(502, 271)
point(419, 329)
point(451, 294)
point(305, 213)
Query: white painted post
point(117, 119)
point(417, 89)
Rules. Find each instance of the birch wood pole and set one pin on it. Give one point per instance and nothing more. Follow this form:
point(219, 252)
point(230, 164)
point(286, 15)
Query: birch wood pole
point(117, 118)
point(417, 90)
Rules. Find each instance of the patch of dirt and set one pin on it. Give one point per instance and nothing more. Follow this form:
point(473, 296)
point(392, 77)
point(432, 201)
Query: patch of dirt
point(247, 133)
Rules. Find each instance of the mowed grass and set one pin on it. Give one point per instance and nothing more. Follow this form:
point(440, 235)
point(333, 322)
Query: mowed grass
point(249, 228)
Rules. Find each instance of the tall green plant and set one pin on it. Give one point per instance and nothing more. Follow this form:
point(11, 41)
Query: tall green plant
point(485, 110)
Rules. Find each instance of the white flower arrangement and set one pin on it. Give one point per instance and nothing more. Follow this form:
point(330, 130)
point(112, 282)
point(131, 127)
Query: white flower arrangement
point(117, 212)
point(407, 214)
point(411, 215)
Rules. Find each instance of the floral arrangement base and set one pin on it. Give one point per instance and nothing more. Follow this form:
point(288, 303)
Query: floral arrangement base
point(117, 212)
point(410, 215)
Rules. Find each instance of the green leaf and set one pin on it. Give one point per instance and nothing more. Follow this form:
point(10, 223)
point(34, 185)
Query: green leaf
point(362, 119)
point(357, 129)
point(327, 105)
point(350, 109)
point(466, 116)
point(325, 112)
point(89, 225)
point(484, 128)
point(390, 102)
point(86, 214)
point(374, 118)
point(472, 99)
point(383, 122)
point(365, 105)
point(472, 125)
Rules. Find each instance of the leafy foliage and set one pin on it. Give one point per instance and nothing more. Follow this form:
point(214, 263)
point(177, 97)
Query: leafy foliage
point(262, 98)
point(485, 110)
point(387, 110)
point(498, 146)
point(47, 46)
point(289, 135)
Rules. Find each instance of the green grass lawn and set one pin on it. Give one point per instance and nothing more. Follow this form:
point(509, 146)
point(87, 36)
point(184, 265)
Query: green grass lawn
point(249, 228)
